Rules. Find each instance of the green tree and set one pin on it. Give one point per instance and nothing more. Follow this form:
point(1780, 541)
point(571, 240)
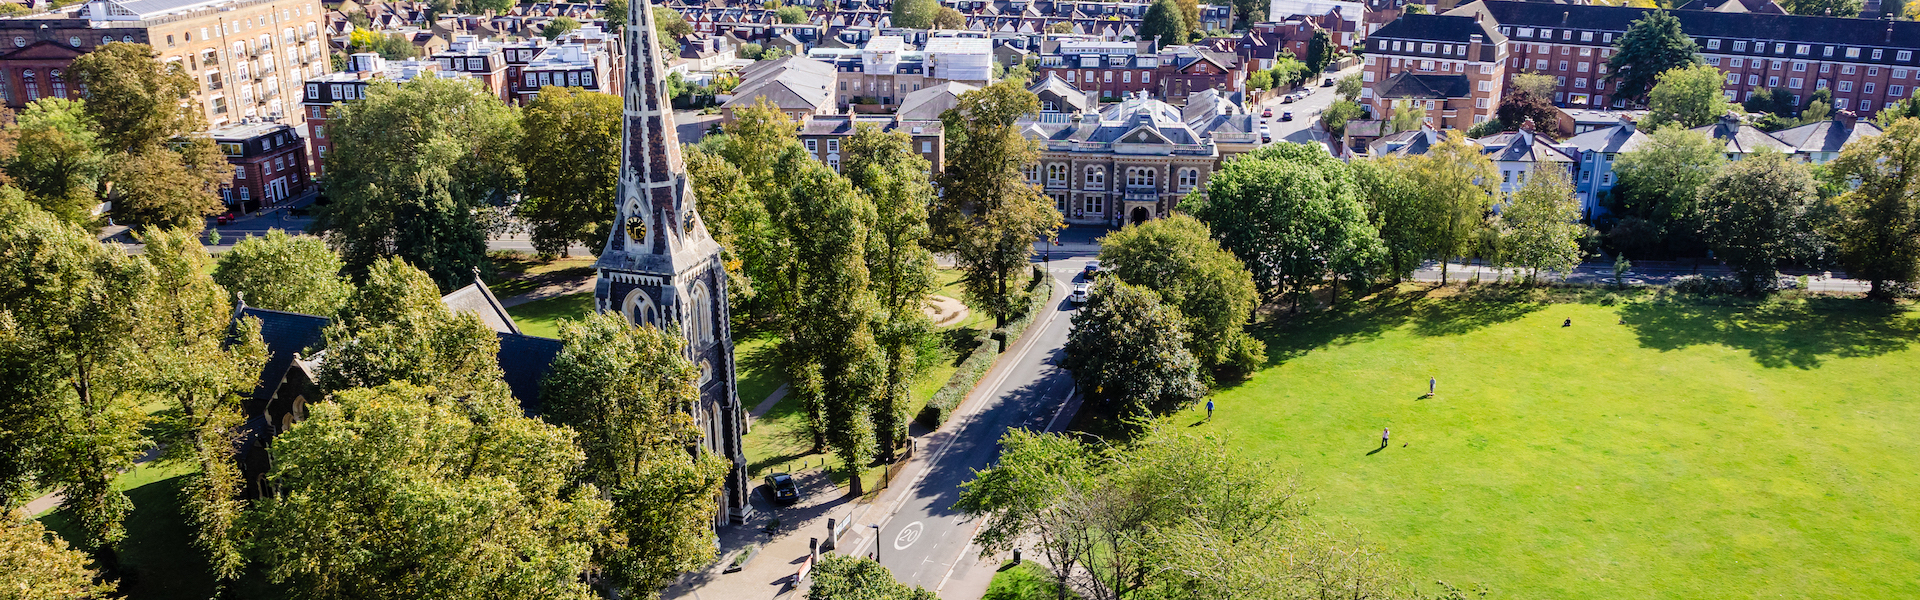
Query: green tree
point(571, 150)
point(40, 566)
point(834, 361)
point(839, 577)
point(1190, 16)
point(201, 370)
point(1894, 112)
point(1320, 51)
point(1456, 184)
point(486, 6)
point(410, 492)
point(1689, 95)
point(1398, 210)
point(1130, 349)
point(1878, 232)
point(396, 329)
point(989, 216)
point(627, 391)
point(1164, 23)
point(70, 316)
point(1336, 117)
point(57, 160)
point(914, 14)
point(1406, 116)
point(163, 188)
point(1025, 499)
point(559, 26)
point(294, 273)
point(669, 26)
point(1755, 214)
point(616, 15)
point(900, 269)
point(1524, 101)
point(1288, 72)
point(1293, 214)
point(1349, 87)
point(949, 18)
point(1660, 181)
point(413, 173)
point(1260, 80)
point(1544, 222)
point(1653, 44)
point(1829, 8)
point(1178, 258)
point(1250, 11)
point(136, 101)
point(1061, 27)
point(791, 15)
point(1775, 100)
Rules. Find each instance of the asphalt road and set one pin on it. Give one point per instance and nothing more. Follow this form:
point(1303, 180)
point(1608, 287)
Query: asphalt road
point(1303, 129)
point(920, 537)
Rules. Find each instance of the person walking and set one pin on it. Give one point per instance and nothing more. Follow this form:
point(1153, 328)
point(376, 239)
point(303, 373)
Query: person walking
point(1384, 434)
point(1209, 409)
point(1431, 382)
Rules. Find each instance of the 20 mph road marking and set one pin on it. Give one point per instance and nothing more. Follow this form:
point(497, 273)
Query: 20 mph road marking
point(908, 535)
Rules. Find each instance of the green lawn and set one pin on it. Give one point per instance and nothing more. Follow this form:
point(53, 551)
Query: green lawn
point(542, 317)
point(158, 551)
point(1693, 451)
point(516, 273)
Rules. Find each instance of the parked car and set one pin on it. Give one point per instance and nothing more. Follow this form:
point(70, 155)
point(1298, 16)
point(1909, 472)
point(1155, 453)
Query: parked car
point(1079, 295)
point(1268, 112)
point(224, 219)
point(1287, 99)
point(1093, 266)
point(1328, 82)
point(782, 489)
point(1266, 135)
point(1286, 116)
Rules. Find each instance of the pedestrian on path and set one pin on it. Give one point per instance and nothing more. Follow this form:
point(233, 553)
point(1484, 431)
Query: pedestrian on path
point(1384, 434)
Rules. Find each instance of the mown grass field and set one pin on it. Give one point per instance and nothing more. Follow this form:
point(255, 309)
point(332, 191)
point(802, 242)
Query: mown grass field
point(1652, 449)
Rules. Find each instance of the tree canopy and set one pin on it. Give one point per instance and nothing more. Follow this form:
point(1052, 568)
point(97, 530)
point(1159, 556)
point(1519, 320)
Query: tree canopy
point(1178, 258)
point(57, 159)
point(914, 14)
point(1457, 184)
point(294, 273)
point(1542, 220)
point(840, 577)
point(1878, 232)
point(1130, 349)
point(571, 149)
point(989, 216)
point(1292, 213)
point(1659, 182)
point(415, 171)
point(1755, 215)
point(1164, 23)
point(1652, 45)
point(1689, 95)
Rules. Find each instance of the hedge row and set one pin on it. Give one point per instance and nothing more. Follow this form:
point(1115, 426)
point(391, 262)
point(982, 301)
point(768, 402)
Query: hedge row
point(987, 348)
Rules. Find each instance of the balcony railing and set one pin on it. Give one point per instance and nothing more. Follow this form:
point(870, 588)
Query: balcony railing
point(214, 85)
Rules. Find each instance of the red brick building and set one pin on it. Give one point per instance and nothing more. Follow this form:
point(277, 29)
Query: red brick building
point(1111, 69)
point(269, 164)
point(1453, 66)
point(1187, 69)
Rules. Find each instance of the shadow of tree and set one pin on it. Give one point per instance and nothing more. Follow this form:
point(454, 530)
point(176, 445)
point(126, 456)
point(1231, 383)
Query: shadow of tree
point(1354, 321)
point(1476, 308)
point(1778, 333)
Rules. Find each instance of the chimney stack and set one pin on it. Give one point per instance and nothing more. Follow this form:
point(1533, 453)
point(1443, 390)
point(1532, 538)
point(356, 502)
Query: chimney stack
point(1846, 118)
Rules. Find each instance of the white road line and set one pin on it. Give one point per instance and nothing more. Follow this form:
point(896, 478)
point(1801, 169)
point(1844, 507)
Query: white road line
point(1063, 408)
point(927, 467)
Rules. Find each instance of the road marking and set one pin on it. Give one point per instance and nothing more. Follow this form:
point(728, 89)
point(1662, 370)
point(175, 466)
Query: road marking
point(1063, 408)
point(908, 535)
point(967, 419)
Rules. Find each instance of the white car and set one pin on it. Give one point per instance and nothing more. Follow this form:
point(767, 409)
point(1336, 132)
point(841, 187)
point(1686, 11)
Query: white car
point(1079, 295)
point(1092, 267)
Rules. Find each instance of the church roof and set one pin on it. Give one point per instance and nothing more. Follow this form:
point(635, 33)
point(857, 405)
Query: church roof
point(476, 298)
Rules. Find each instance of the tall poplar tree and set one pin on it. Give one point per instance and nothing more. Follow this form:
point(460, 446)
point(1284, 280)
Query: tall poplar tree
point(1544, 223)
point(885, 167)
point(1458, 184)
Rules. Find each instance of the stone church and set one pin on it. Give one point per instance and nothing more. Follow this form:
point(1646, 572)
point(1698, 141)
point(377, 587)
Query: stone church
point(660, 267)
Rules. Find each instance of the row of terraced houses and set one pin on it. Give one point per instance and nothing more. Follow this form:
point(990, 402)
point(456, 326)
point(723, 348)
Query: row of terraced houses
point(1455, 64)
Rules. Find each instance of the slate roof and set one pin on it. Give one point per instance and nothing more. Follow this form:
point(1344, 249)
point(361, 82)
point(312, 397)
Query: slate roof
point(788, 82)
point(1615, 139)
point(1068, 93)
point(1516, 146)
point(1826, 136)
point(1408, 143)
point(1440, 28)
point(1703, 24)
point(285, 334)
point(476, 298)
point(1408, 84)
point(926, 104)
point(524, 362)
point(1742, 138)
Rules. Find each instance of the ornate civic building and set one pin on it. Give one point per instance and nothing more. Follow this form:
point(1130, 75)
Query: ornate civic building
point(660, 267)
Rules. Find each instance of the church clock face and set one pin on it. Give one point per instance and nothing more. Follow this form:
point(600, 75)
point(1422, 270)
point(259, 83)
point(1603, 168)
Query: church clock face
point(636, 229)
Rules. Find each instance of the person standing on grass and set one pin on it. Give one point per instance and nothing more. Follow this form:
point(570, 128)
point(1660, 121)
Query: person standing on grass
point(1431, 383)
point(1385, 432)
point(1209, 409)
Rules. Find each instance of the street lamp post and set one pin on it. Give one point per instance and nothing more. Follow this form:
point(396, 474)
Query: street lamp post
point(876, 542)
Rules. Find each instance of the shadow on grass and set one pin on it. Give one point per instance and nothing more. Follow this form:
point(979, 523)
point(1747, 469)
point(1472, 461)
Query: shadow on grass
point(1778, 333)
point(157, 558)
point(1474, 309)
point(1432, 311)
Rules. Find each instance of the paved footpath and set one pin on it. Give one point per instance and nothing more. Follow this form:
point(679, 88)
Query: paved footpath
point(921, 539)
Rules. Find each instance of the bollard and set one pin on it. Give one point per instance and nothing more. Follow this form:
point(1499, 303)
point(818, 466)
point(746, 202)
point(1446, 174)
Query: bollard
point(1016, 556)
point(829, 545)
point(813, 548)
